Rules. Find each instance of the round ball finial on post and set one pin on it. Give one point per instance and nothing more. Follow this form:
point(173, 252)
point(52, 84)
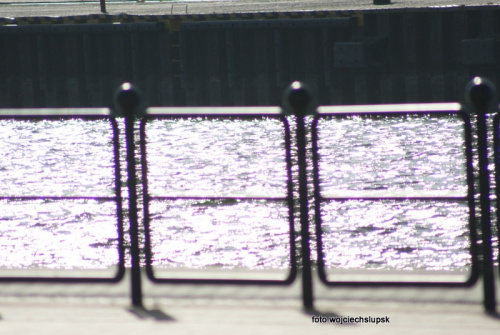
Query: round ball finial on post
point(127, 100)
point(480, 94)
point(297, 99)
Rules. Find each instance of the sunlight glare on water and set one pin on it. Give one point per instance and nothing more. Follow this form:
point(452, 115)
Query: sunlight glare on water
point(56, 158)
point(76, 234)
point(222, 158)
point(409, 153)
point(209, 234)
point(394, 156)
point(216, 158)
point(193, 157)
point(52, 159)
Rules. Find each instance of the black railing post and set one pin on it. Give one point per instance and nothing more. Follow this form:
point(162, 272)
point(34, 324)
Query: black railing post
point(480, 95)
point(127, 100)
point(103, 6)
point(297, 100)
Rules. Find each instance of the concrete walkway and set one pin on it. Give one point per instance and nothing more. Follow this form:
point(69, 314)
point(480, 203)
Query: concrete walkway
point(35, 8)
point(195, 317)
point(44, 309)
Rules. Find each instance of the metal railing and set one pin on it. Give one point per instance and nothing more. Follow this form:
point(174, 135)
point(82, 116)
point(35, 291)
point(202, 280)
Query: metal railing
point(300, 98)
point(480, 95)
point(219, 114)
point(299, 194)
point(435, 110)
point(86, 114)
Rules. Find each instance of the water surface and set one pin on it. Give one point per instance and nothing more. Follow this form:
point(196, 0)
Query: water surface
point(359, 156)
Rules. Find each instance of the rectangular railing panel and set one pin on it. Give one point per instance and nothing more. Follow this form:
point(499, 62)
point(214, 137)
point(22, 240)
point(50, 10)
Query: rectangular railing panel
point(61, 214)
point(191, 191)
point(386, 181)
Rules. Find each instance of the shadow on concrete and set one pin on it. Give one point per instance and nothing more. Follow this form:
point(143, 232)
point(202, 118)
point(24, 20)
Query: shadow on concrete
point(156, 314)
point(494, 315)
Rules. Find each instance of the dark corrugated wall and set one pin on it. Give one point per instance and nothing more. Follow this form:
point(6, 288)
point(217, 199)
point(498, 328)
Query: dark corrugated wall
point(82, 65)
point(251, 62)
point(388, 57)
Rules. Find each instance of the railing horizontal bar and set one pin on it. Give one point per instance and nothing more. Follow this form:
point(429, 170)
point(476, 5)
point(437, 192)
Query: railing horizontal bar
point(213, 111)
point(54, 112)
point(393, 194)
point(215, 198)
point(446, 107)
point(58, 198)
point(396, 198)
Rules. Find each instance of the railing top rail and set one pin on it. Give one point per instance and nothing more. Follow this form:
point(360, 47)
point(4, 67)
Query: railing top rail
point(54, 112)
point(214, 111)
point(445, 107)
point(403, 194)
point(215, 197)
point(55, 197)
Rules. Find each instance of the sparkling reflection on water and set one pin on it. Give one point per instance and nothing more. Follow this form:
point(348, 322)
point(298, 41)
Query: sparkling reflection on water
point(419, 156)
point(236, 158)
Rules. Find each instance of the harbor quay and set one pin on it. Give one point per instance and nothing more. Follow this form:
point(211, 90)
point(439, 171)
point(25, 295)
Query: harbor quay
point(244, 53)
point(239, 53)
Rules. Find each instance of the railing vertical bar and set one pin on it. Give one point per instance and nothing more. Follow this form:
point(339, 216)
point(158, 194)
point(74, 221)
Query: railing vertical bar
point(127, 99)
point(119, 198)
point(474, 249)
point(289, 198)
point(496, 149)
point(297, 100)
point(146, 199)
point(317, 200)
point(480, 95)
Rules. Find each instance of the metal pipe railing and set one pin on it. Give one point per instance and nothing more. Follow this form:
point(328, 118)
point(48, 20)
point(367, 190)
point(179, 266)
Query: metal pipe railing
point(88, 114)
point(436, 110)
point(297, 104)
point(226, 113)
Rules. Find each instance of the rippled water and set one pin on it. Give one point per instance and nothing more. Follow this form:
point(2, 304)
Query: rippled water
point(216, 158)
point(236, 158)
point(56, 158)
point(394, 156)
point(77, 234)
point(409, 153)
point(52, 159)
point(223, 158)
point(243, 234)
